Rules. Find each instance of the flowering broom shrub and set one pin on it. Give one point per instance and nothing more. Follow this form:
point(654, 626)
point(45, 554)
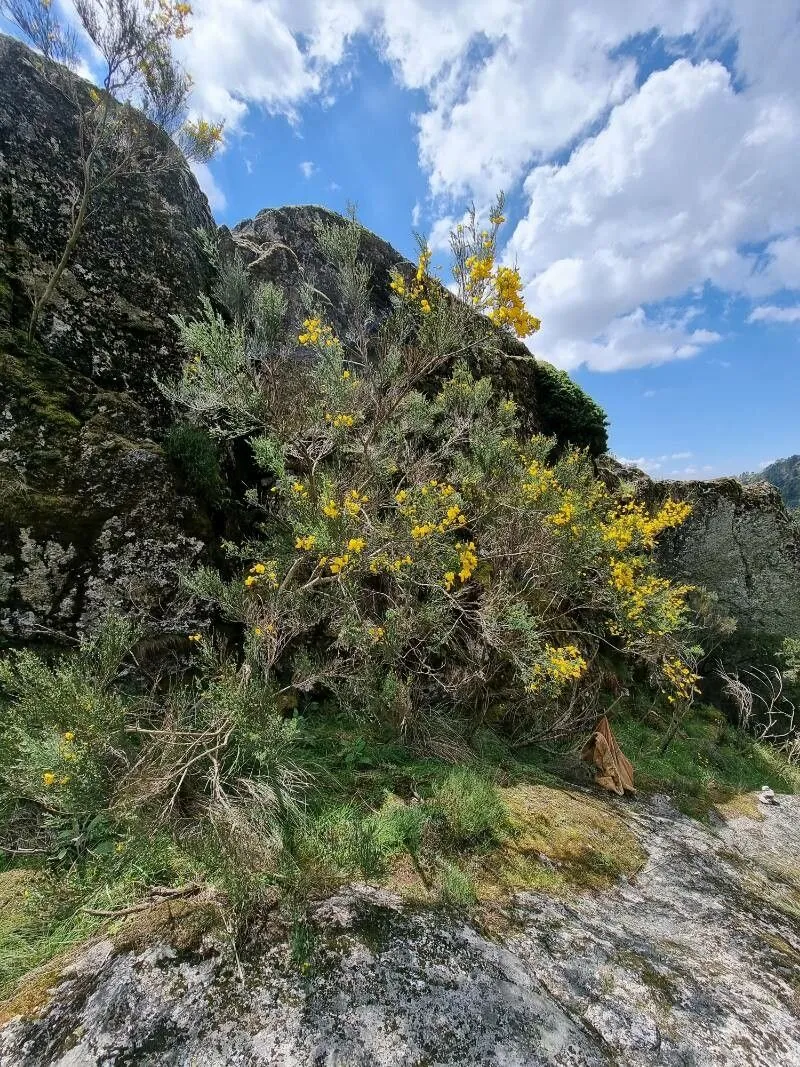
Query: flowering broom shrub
point(418, 560)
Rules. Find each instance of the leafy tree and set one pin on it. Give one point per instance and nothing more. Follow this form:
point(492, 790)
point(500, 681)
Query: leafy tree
point(133, 42)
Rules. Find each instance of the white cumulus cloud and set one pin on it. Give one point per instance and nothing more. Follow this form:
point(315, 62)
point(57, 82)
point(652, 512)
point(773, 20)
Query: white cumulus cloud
point(770, 313)
point(638, 192)
point(205, 179)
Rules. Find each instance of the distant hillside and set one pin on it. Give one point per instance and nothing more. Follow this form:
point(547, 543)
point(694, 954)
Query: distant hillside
point(784, 474)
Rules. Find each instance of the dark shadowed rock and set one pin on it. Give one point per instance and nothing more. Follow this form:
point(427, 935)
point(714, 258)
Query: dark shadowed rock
point(92, 517)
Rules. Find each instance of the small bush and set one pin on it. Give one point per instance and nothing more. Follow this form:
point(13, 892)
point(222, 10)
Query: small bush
point(196, 455)
point(400, 827)
point(568, 413)
point(470, 806)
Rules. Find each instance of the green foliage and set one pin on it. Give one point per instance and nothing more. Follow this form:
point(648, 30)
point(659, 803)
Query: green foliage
point(64, 741)
point(707, 762)
point(424, 584)
point(196, 455)
point(566, 411)
point(421, 561)
point(470, 806)
point(457, 888)
point(398, 826)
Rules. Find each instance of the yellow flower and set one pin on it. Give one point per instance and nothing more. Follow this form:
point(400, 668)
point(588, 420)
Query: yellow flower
point(258, 631)
point(305, 543)
point(48, 778)
point(316, 333)
point(354, 502)
point(299, 489)
point(192, 637)
point(338, 563)
point(356, 544)
point(345, 375)
point(69, 736)
point(250, 580)
point(398, 284)
point(331, 510)
point(342, 421)
point(422, 530)
point(426, 307)
point(64, 779)
point(564, 516)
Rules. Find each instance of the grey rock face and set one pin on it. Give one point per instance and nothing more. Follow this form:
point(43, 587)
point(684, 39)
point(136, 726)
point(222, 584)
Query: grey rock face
point(138, 260)
point(694, 961)
point(92, 516)
point(739, 542)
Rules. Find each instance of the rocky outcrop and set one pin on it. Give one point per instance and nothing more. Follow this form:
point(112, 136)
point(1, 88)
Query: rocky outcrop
point(92, 517)
point(280, 245)
point(694, 960)
point(95, 518)
point(739, 543)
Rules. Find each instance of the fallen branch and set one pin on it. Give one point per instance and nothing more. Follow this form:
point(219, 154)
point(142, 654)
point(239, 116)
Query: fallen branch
point(161, 893)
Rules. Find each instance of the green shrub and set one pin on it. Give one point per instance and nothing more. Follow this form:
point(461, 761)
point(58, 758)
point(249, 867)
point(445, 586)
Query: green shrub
point(64, 742)
point(196, 455)
point(470, 806)
point(568, 413)
point(420, 560)
point(400, 827)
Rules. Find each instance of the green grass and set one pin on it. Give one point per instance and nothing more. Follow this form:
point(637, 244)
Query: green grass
point(456, 886)
point(707, 763)
point(470, 806)
point(379, 812)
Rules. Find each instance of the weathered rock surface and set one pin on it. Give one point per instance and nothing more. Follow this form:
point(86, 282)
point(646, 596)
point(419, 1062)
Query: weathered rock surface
point(740, 543)
point(696, 960)
point(92, 516)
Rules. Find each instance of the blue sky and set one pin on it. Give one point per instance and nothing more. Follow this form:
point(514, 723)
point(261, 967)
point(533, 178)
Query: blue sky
point(648, 152)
